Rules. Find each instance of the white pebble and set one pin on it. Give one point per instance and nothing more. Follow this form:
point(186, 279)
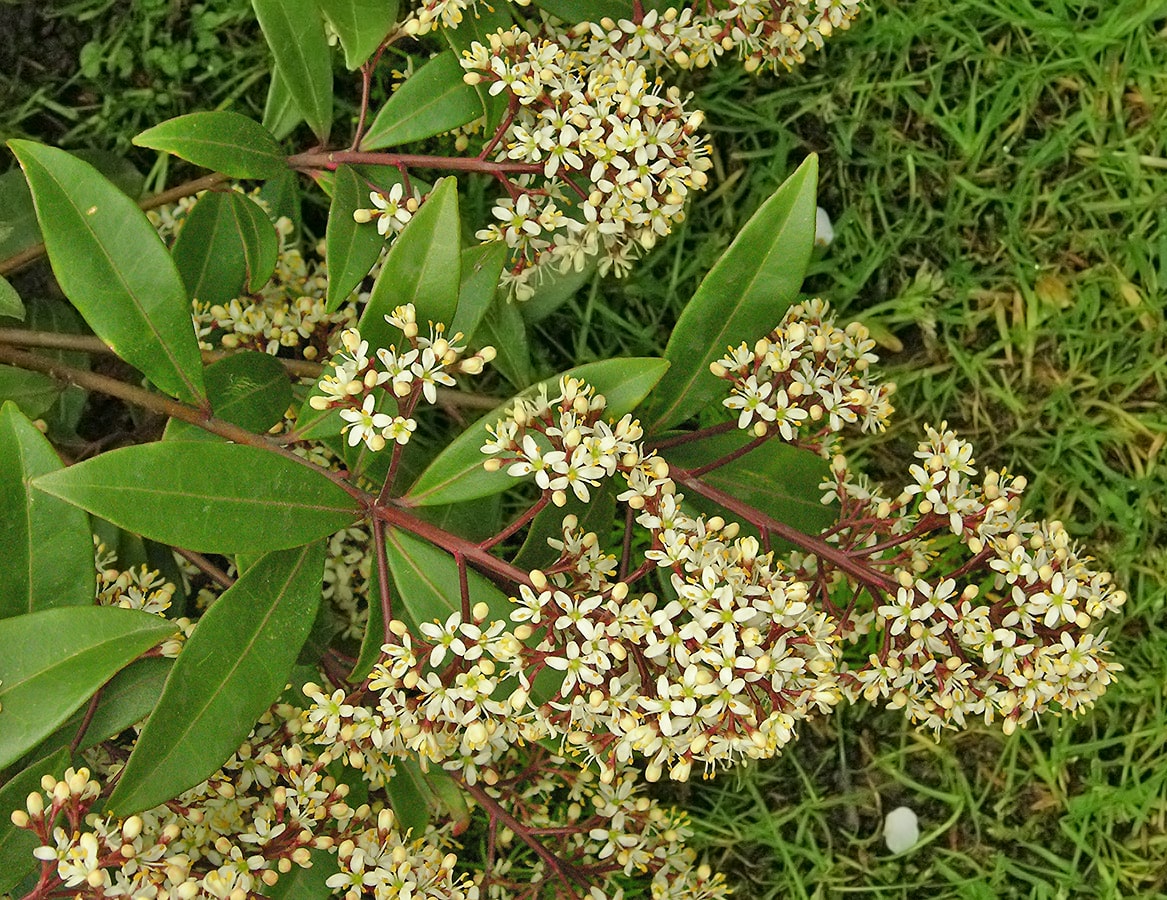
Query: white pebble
point(901, 829)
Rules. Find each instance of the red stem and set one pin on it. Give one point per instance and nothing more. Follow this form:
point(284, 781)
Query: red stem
point(874, 581)
point(517, 524)
point(332, 158)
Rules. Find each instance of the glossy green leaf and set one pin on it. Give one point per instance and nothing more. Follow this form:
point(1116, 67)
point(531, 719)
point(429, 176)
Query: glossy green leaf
point(596, 515)
point(457, 473)
point(18, 226)
point(307, 884)
point(224, 249)
point(51, 662)
point(281, 115)
point(294, 30)
point(481, 270)
point(112, 266)
point(352, 248)
point(125, 700)
point(776, 479)
point(33, 392)
point(282, 198)
point(504, 329)
point(231, 670)
point(17, 844)
point(224, 141)
point(432, 101)
point(48, 546)
point(261, 242)
point(427, 581)
point(554, 290)
point(214, 498)
point(423, 268)
point(743, 296)
point(411, 796)
point(586, 10)
point(248, 389)
point(487, 20)
point(10, 303)
point(361, 26)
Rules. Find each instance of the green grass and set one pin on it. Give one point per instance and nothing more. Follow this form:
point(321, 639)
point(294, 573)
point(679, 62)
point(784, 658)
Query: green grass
point(997, 173)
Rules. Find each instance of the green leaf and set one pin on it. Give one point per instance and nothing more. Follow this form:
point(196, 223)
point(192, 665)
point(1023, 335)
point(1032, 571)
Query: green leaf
point(48, 546)
point(231, 670)
point(481, 270)
point(33, 392)
point(485, 21)
point(18, 226)
point(596, 515)
point(248, 389)
point(573, 11)
point(17, 844)
point(743, 296)
point(261, 242)
point(351, 248)
point(280, 113)
point(294, 31)
point(411, 796)
point(224, 249)
point(307, 884)
point(427, 581)
point(503, 327)
point(224, 141)
point(111, 264)
point(214, 498)
point(457, 473)
point(282, 196)
point(432, 101)
point(361, 26)
point(52, 661)
point(776, 479)
point(423, 268)
point(10, 304)
point(125, 700)
point(555, 289)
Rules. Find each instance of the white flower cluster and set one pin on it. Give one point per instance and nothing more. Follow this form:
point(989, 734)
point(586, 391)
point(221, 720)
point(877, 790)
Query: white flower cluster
point(382, 861)
point(613, 828)
point(617, 155)
point(761, 32)
point(402, 378)
point(235, 834)
point(721, 671)
point(1005, 631)
point(807, 375)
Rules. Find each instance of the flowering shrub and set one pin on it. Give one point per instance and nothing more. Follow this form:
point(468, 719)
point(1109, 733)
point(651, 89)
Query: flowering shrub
point(332, 665)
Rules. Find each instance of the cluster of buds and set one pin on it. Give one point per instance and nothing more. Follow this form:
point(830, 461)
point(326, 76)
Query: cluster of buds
point(615, 155)
point(357, 382)
point(256, 819)
point(142, 589)
point(807, 375)
point(1003, 630)
point(761, 32)
point(720, 673)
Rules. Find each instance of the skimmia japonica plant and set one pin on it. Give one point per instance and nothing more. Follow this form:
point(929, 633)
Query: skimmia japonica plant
point(326, 619)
